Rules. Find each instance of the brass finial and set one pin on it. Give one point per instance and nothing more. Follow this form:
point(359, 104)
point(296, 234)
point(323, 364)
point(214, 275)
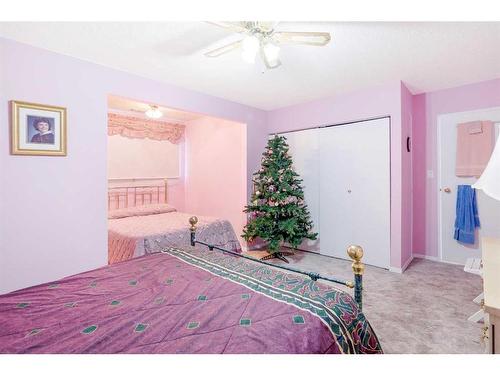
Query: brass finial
point(193, 220)
point(355, 252)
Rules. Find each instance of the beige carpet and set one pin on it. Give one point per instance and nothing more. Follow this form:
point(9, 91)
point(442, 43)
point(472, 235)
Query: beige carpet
point(423, 310)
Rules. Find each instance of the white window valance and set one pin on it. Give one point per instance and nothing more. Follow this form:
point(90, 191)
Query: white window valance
point(133, 127)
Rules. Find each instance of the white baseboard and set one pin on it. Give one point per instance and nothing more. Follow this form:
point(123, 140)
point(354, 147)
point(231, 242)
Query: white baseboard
point(436, 259)
point(402, 269)
point(395, 270)
point(428, 257)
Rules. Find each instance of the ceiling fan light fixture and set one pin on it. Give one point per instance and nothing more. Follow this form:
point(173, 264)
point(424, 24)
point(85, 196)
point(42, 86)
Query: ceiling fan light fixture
point(263, 39)
point(250, 46)
point(153, 112)
point(272, 52)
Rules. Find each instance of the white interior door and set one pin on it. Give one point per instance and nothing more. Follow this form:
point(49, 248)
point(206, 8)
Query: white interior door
point(355, 189)
point(304, 149)
point(451, 250)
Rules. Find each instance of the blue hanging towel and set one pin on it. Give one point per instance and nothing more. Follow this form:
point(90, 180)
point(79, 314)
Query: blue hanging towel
point(467, 219)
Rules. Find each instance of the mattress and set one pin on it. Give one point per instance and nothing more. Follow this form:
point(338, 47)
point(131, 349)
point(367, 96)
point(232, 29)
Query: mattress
point(184, 300)
point(139, 235)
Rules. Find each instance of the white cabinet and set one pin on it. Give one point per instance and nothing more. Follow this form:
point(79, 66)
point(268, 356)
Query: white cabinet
point(346, 172)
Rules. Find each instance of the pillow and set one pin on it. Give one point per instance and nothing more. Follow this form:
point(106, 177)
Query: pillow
point(150, 209)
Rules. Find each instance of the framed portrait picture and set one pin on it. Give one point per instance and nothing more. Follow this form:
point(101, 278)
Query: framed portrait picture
point(38, 129)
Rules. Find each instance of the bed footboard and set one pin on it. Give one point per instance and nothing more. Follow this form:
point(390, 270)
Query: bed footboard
point(355, 253)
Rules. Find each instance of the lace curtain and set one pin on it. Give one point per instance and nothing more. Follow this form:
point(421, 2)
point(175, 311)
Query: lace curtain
point(133, 127)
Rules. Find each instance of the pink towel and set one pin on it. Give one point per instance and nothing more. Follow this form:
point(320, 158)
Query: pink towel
point(475, 142)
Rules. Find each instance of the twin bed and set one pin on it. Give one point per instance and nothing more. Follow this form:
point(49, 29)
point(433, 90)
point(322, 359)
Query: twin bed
point(170, 291)
point(141, 222)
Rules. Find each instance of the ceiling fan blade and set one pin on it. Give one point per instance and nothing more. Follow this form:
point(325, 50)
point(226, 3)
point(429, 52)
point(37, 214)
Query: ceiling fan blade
point(269, 64)
point(305, 37)
point(236, 27)
point(224, 49)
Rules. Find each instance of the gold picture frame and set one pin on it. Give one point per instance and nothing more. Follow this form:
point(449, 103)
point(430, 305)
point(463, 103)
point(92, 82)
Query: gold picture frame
point(38, 129)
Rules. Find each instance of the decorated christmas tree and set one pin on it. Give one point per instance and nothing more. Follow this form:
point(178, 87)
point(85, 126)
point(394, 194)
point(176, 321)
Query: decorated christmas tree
point(277, 210)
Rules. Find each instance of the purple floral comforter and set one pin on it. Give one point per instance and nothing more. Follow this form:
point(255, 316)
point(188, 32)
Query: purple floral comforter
point(184, 301)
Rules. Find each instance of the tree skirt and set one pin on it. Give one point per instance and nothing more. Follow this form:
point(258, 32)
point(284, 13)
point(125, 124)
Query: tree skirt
point(259, 254)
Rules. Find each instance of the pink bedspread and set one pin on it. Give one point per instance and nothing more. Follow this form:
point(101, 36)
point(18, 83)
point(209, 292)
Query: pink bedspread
point(138, 235)
point(188, 300)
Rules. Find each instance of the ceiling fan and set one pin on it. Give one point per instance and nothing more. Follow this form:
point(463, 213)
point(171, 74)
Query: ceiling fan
point(262, 38)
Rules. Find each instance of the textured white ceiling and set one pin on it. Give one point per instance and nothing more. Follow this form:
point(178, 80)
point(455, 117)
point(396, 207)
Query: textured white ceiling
point(427, 56)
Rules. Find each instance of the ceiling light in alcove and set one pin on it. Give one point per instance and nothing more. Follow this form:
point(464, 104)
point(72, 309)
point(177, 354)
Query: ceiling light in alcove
point(153, 112)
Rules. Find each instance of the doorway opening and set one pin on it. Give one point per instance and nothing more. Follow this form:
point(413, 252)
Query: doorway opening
point(195, 164)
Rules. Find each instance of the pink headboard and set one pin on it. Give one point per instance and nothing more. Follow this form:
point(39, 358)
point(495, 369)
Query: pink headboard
point(133, 192)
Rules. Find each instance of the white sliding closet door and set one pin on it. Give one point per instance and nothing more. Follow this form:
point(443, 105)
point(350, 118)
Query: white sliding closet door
point(304, 149)
point(355, 189)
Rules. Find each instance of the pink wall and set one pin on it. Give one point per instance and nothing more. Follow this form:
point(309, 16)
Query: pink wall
point(53, 209)
point(419, 139)
point(215, 175)
point(359, 105)
point(406, 176)
point(426, 108)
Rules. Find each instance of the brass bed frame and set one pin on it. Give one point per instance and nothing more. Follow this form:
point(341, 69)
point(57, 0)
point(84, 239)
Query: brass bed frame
point(136, 195)
point(355, 253)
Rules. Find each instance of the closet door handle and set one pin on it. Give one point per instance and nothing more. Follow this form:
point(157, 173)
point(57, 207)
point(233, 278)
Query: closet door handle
point(447, 190)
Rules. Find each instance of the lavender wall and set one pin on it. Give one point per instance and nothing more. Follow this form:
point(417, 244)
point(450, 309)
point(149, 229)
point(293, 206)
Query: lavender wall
point(426, 108)
point(53, 210)
point(375, 102)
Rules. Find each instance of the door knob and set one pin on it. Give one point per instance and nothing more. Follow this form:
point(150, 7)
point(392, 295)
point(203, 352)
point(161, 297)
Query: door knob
point(447, 190)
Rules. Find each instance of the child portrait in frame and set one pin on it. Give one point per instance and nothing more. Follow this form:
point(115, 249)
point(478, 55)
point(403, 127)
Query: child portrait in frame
point(38, 129)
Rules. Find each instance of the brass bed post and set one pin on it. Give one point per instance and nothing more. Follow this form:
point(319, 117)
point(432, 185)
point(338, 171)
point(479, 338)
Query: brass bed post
point(356, 253)
point(193, 220)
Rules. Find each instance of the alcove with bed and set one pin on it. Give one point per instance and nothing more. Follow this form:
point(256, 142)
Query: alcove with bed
point(161, 172)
